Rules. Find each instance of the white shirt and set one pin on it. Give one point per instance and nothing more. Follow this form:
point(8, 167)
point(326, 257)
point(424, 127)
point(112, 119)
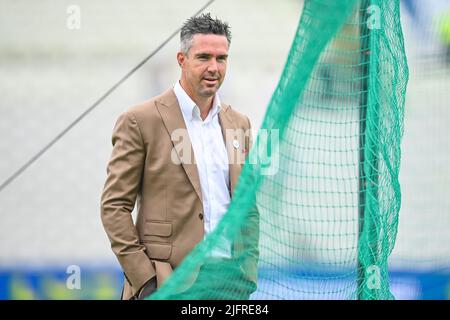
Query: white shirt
point(212, 162)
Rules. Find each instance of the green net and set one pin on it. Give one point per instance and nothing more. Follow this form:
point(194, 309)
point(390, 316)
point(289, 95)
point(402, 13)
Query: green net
point(314, 215)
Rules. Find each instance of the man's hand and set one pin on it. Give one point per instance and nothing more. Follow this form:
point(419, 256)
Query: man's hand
point(147, 289)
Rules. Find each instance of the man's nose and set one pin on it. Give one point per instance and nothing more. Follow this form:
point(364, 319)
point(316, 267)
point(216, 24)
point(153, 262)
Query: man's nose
point(212, 66)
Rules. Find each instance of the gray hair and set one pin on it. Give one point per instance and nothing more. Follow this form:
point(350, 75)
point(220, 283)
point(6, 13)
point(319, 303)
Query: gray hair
point(202, 24)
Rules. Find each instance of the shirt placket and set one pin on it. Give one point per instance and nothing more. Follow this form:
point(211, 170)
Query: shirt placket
point(206, 169)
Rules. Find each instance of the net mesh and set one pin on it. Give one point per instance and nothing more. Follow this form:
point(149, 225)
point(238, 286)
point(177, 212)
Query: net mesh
point(315, 211)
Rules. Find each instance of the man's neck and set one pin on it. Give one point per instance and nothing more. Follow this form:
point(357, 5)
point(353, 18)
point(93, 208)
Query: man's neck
point(205, 106)
point(203, 103)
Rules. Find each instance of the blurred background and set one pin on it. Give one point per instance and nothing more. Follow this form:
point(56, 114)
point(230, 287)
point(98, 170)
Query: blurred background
point(58, 57)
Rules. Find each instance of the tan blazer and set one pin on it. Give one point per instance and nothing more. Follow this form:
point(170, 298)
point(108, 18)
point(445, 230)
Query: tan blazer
point(169, 208)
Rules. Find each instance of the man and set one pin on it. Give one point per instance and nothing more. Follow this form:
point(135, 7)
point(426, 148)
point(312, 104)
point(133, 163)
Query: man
point(179, 155)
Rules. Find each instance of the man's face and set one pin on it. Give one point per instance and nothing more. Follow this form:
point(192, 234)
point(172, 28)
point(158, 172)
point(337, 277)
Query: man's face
point(205, 65)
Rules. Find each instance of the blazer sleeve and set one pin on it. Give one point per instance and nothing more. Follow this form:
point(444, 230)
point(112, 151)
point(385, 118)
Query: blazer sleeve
point(124, 174)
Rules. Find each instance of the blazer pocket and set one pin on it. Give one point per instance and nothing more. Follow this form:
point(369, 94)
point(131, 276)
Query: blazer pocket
point(158, 251)
point(160, 229)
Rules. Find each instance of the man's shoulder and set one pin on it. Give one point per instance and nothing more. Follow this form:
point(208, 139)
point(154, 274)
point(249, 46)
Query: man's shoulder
point(147, 109)
point(241, 119)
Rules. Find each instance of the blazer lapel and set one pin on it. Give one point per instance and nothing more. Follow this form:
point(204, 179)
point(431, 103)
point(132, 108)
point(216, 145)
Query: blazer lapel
point(172, 117)
point(229, 135)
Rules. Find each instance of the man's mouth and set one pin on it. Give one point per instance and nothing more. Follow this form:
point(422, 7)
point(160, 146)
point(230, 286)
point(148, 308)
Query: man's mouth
point(211, 80)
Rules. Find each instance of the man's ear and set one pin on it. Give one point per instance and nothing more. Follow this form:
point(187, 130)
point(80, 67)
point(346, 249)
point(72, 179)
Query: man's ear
point(181, 57)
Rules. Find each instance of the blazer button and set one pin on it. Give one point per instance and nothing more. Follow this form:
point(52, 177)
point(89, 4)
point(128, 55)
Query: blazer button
point(200, 215)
